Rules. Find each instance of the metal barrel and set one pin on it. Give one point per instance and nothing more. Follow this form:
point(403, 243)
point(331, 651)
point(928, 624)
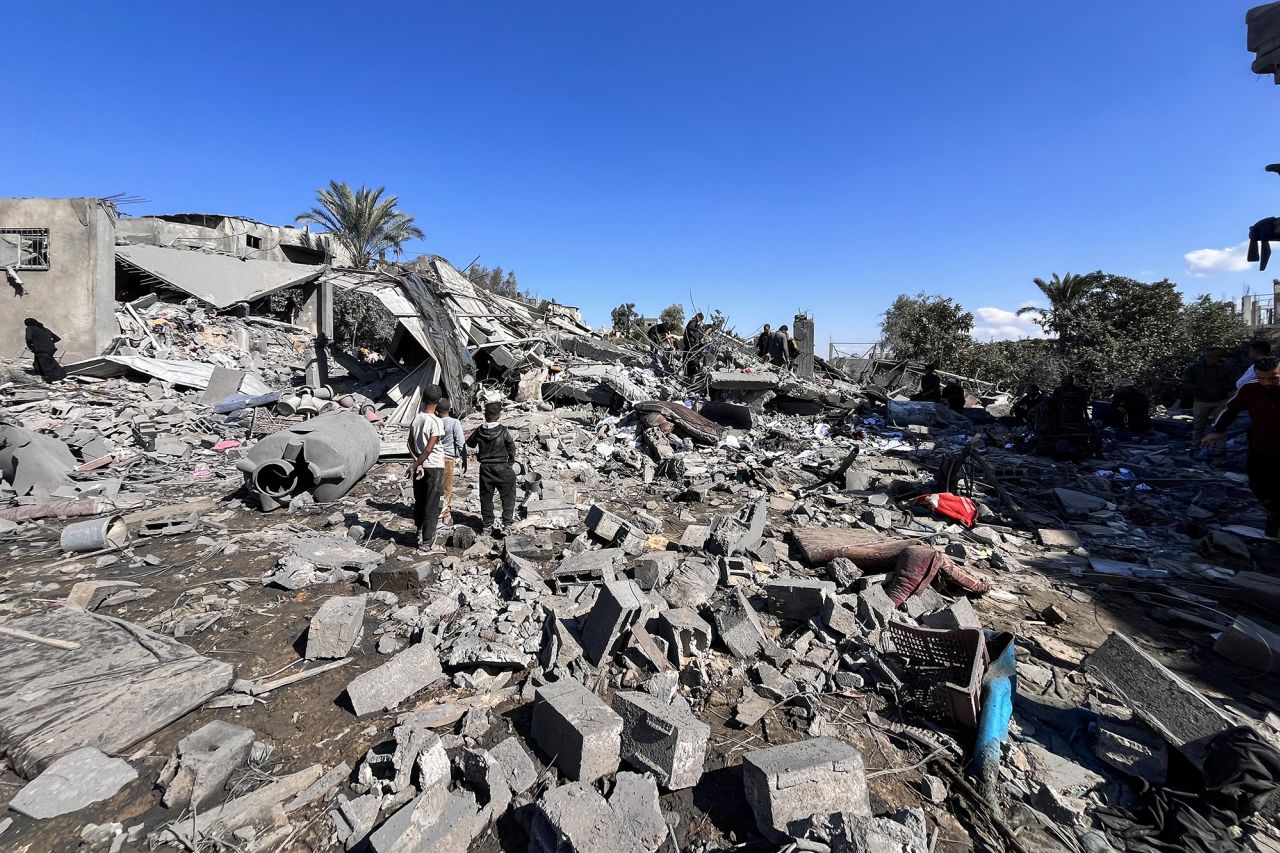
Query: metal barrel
point(95, 534)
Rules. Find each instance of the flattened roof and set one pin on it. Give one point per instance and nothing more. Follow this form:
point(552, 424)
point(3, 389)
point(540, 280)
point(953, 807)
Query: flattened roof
point(218, 279)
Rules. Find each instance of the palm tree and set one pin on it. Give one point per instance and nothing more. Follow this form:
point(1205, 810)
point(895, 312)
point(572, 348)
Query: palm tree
point(1063, 293)
point(362, 222)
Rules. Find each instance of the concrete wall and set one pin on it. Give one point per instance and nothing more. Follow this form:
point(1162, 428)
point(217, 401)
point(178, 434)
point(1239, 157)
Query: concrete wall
point(75, 297)
point(227, 234)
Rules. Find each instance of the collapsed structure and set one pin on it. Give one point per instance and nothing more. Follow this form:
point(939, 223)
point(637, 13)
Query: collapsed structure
point(750, 606)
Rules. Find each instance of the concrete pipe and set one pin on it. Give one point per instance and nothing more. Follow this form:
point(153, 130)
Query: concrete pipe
point(96, 534)
point(326, 456)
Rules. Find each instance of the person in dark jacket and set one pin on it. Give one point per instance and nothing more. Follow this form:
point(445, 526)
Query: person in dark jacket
point(930, 386)
point(953, 395)
point(780, 347)
point(1261, 399)
point(762, 342)
point(496, 450)
point(43, 344)
point(1130, 410)
point(1206, 387)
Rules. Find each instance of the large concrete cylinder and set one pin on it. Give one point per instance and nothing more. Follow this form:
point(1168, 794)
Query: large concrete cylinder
point(325, 456)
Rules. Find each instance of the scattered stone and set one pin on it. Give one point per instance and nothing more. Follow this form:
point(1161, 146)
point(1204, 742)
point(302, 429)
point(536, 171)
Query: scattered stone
point(579, 731)
point(666, 740)
point(621, 605)
point(788, 784)
point(77, 779)
point(199, 769)
point(394, 681)
point(738, 626)
point(796, 598)
point(335, 627)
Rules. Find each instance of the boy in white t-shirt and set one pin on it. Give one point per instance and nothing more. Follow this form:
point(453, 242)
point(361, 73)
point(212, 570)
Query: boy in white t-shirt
point(427, 469)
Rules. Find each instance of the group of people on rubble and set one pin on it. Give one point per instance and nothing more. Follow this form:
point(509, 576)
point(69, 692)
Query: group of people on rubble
point(934, 390)
point(778, 348)
point(1213, 390)
point(438, 447)
point(692, 342)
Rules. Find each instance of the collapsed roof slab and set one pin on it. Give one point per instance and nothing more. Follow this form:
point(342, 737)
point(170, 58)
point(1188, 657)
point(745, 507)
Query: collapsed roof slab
point(220, 280)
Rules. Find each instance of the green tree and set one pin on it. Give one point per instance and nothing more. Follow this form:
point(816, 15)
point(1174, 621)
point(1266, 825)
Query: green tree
point(927, 328)
point(361, 221)
point(673, 316)
point(1064, 294)
point(624, 317)
point(496, 280)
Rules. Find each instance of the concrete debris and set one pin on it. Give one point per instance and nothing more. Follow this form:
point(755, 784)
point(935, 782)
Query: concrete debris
point(581, 734)
point(77, 779)
point(203, 763)
point(699, 582)
point(787, 785)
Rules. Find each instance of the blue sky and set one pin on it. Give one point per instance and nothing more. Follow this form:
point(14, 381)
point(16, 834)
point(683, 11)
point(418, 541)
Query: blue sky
point(760, 158)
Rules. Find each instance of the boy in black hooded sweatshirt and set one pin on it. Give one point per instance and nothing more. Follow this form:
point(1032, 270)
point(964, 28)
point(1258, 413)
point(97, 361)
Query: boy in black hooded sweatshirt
point(496, 450)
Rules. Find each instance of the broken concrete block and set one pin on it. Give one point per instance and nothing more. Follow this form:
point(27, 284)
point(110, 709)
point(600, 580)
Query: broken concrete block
point(694, 537)
point(1163, 700)
point(843, 572)
point(77, 779)
point(396, 680)
point(787, 784)
point(203, 762)
point(796, 598)
point(418, 827)
point(586, 567)
point(1065, 540)
point(653, 569)
point(635, 805)
point(400, 578)
point(691, 585)
point(732, 536)
point(959, 614)
point(875, 607)
point(515, 764)
point(686, 633)
point(738, 626)
point(87, 595)
point(1078, 504)
point(607, 527)
point(620, 605)
point(335, 627)
point(840, 614)
point(577, 729)
point(574, 818)
point(1133, 751)
point(903, 832)
point(667, 740)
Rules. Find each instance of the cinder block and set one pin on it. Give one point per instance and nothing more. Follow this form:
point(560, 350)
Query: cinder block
point(574, 818)
point(667, 740)
point(620, 605)
point(335, 627)
point(203, 762)
point(796, 598)
point(788, 784)
point(686, 633)
point(577, 729)
point(739, 626)
point(653, 569)
point(840, 614)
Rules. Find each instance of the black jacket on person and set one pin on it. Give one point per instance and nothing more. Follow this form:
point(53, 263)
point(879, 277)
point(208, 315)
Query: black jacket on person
point(494, 444)
point(41, 340)
point(693, 334)
point(1209, 383)
point(762, 344)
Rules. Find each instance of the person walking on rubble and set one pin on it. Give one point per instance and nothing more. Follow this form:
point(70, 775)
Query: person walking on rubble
point(780, 347)
point(426, 434)
point(454, 444)
point(1261, 399)
point(1257, 350)
point(762, 342)
point(43, 344)
point(1207, 385)
point(496, 450)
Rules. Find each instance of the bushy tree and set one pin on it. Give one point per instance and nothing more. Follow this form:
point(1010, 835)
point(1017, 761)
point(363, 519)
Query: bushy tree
point(624, 317)
point(361, 322)
point(673, 316)
point(927, 328)
point(496, 280)
point(362, 222)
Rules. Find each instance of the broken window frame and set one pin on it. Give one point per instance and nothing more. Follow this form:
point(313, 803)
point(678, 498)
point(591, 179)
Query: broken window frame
point(33, 247)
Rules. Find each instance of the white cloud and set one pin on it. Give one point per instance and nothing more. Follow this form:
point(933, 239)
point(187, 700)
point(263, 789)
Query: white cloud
point(1203, 262)
point(998, 324)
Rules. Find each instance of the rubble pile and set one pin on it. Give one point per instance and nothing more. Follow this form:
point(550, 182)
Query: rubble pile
point(741, 608)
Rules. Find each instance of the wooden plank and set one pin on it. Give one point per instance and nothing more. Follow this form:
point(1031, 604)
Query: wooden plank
point(870, 549)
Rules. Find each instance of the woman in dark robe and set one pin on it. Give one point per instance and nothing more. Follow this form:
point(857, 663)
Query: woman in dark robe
point(42, 343)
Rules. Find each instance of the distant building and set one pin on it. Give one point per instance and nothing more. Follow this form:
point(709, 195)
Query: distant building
point(58, 262)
